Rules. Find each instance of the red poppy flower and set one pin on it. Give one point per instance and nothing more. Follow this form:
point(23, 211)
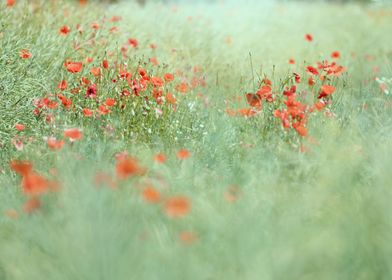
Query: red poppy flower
point(34, 184)
point(312, 70)
point(157, 82)
point(73, 67)
point(183, 154)
point(169, 77)
point(20, 127)
point(326, 90)
point(25, 54)
point(177, 206)
point(133, 42)
point(91, 91)
point(110, 102)
point(335, 54)
point(171, 99)
point(10, 3)
point(103, 110)
point(301, 130)
point(96, 71)
point(73, 134)
point(55, 144)
point(183, 88)
point(309, 37)
point(160, 158)
point(105, 64)
point(254, 100)
point(22, 167)
point(151, 195)
point(62, 85)
point(87, 112)
point(64, 30)
point(129, 167)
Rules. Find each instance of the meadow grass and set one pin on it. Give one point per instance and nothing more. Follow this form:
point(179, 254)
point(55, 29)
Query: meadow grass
point(266, 203)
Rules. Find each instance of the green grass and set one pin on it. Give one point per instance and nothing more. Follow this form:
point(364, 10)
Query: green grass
point(321, 214)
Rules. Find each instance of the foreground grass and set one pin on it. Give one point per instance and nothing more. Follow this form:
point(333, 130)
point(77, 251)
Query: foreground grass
point(260, 208)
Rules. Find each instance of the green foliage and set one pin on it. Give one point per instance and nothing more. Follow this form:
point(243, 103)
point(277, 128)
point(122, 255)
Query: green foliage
point(322, 214)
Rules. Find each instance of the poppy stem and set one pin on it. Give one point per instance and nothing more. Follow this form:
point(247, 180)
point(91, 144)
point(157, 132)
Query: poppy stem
point(253, 73)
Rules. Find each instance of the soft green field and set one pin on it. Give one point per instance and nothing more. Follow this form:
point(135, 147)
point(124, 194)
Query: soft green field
point(261, 201)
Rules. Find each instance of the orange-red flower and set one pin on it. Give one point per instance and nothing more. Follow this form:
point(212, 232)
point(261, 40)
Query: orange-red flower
point(151, 195)
point(160, 158)
point(335, 54)
point(20, 127)
point(73, 67)
point(34, 184)
point(73, 134)
point(55, 144)
point(183, 87)
point(62, 85)
point(169, 77)
point(87, 112)
point(129, 167)
point(10, 3)
point(183, 154)
point(326, 90)
point(177, 206)
point(22, 167)
point(64, 30)
point(25, 54)
point(96, 71)
point(309, 37)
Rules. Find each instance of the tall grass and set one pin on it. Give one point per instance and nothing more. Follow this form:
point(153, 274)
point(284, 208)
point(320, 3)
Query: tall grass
point(322, 214)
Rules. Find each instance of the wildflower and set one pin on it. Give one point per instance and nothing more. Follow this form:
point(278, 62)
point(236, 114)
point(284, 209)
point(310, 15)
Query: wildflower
point(96, 71)
point(25, 54)
point(309, 37)
point(151, 195)
point(312, 70)
point(91, 91)
point(64, 30)
point(105, 64)
point(55, 144)
point(62, 85)
point(34, 184)
point(183, 88)
point(160, 158)
point(129, 167)
point(11, 3)
point(254, 100)
point(335, 54)
point(157, 82)
point(110, 102)
point(73, 67)
point(177, 206)
point(20, 127)
point(133, 42)
point(87, 112)
point(22, 167)
point(154, 61)
point(73, 134)
point(183, 154)
point(169, 77)
point(103, 110)
point(326, 90)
